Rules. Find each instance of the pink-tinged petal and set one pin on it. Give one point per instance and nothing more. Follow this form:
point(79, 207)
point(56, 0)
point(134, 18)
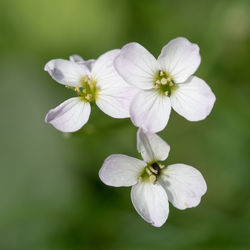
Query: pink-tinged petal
point(115, 101)
point(66, 72)
point(151, 146)
point(150, 202)
point(90, 64)
point(121, 170)
point(150, 111)
point(70, 115)
point(184, 185)
point(193, 99)
point(180, 58)
point(114, 94)
point(137, 66)
point(104, 65)
point(78, 59)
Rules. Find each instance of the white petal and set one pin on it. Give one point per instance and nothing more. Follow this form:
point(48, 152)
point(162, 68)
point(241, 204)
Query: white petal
point(121, 170)
point(184, 185)
point(70, 115)
point(137, 66)
point(66, 72)
point(150, 111)
point(90, 63)
point(115, 101)
point(104, 65)
point(193, 99)
point(114, 94)
point(180, 58)
point(151, 202)
point(151, 146)
point(78, 59)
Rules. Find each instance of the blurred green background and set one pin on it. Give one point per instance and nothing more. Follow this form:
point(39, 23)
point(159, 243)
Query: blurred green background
point(50, 193)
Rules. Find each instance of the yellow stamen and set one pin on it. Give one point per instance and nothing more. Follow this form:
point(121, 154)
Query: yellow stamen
point(161, 166)
point(88, 97)
point(148, 172)
point(77, 89)
point(161, 73)
point(90, 84)
point(86, 78)
point(166, 93)
point(156, 86)
point(153, 170)
point(158, 81)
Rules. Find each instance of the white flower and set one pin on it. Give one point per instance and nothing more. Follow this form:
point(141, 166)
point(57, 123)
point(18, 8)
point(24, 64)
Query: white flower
point(94, 81)
point(153, 184)
point(165, 82)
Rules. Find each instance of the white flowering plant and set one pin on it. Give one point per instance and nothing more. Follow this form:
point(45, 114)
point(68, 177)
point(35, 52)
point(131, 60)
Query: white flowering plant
point(164, 83)
point(95, 82)
point(131, 83)
point(154, 184)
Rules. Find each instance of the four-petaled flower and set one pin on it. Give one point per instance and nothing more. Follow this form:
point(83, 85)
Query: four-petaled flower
point(94, 81)
point(153, 184)
point(165, 82)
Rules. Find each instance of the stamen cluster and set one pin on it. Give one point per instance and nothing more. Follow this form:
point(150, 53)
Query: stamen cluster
point(87, 90)
point(164, 83)
point(151, 172)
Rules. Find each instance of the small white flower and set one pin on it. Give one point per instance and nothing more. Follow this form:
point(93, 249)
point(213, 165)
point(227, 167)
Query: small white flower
point(94, 81)
point(165, 82)
point(153, 184)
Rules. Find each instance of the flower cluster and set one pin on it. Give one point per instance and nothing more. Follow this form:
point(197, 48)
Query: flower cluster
point(130, 82)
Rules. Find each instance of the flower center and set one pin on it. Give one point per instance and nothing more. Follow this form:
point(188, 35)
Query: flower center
point(151, 172)
point(164, 83)
point(87, 89)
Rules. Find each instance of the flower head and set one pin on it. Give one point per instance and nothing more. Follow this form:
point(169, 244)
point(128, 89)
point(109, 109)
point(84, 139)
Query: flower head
point(165, 82)
point(154, 184)
point(94, 81)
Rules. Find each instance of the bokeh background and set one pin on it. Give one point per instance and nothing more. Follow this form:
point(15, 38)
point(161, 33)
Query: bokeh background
point(50, 193)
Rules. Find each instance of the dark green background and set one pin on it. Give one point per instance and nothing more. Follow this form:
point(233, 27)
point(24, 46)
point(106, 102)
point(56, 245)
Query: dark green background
point(50, 193)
